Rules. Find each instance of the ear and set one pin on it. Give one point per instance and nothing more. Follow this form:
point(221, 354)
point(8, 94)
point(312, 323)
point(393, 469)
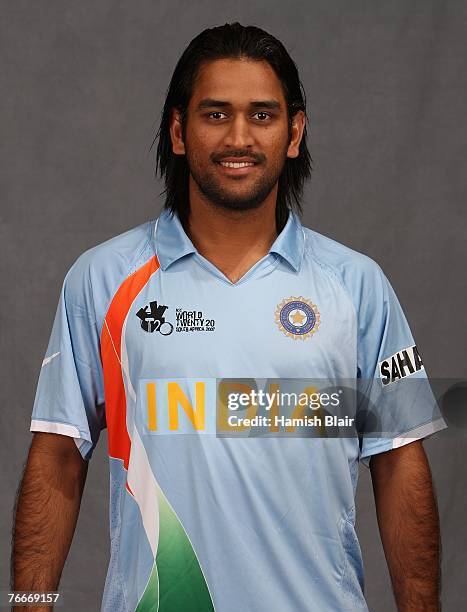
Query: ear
point(178, 145)
point(298, 125)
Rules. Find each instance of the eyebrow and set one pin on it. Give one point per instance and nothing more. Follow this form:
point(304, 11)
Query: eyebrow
point(211, 102)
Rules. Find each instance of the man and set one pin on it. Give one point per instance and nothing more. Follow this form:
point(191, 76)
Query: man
point(227, 284)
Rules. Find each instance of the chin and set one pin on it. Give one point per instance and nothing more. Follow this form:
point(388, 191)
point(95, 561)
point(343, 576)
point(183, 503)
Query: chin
point(238, 205)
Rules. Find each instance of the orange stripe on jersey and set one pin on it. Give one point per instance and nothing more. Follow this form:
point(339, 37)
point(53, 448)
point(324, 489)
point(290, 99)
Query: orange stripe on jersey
point(111, 336)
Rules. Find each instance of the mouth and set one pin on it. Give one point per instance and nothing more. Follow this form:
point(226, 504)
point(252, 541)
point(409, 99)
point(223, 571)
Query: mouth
point(239, 168)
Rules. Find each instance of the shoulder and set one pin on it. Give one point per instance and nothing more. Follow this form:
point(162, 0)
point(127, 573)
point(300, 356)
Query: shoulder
point(120, 252)
point(97, 273)
point(358, 274)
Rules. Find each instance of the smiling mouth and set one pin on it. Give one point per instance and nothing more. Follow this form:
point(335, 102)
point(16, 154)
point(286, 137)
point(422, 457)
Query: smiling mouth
point(237, 169)
point(229, 164)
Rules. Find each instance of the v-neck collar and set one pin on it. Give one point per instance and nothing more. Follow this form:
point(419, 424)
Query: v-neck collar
point(171, 243)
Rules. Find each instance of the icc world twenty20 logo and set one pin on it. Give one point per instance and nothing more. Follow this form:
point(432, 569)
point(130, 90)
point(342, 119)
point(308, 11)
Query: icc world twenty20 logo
point(153, 319)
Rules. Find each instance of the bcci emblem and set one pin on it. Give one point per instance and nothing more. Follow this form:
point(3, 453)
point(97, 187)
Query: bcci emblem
point(297, 318)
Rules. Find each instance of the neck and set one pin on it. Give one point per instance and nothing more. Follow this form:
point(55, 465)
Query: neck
point(232, 240)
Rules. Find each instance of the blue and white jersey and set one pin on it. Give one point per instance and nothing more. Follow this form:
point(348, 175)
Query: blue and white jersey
point(145, 330)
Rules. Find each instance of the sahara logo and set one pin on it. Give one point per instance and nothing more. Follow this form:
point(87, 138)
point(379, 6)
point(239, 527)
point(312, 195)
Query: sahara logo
point(401, 364)
point(153, 319)
point(297, 318)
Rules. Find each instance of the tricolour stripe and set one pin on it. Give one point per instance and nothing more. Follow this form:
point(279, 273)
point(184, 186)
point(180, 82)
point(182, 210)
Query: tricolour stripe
point(177, 580)
point(111, 335)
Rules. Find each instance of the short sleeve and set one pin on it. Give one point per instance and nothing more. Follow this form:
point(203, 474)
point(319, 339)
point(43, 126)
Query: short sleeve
point(69, 397)
point(396, 404)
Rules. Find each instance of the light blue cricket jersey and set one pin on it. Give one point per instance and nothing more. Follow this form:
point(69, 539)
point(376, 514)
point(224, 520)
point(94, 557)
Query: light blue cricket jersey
point(201, 522)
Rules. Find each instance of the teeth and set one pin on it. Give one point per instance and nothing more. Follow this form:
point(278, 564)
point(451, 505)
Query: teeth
point(237, 164)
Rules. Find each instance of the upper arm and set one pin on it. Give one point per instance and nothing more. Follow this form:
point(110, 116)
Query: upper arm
point(407, 463)
point(57, 450)
point(388, 460)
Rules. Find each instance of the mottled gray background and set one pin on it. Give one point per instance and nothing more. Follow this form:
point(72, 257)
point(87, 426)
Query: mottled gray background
point(82, 86)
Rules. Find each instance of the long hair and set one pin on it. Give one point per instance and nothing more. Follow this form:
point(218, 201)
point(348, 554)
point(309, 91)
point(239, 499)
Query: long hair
point(231, 41)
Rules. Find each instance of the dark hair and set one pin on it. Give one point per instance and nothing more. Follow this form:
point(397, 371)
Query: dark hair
point(231, 40)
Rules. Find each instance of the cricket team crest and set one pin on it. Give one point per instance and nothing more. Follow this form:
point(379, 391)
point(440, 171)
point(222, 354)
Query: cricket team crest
point(297, 318)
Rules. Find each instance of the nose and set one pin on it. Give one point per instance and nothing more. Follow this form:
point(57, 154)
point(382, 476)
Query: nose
point(239, 134)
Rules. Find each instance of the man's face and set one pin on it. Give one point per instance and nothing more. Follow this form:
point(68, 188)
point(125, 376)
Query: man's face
point(237, 115)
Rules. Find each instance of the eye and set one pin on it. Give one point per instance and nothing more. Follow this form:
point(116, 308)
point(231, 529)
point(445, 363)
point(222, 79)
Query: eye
point(265, 115)
point(214, 113)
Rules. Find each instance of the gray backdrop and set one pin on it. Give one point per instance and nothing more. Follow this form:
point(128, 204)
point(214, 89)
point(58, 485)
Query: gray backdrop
point(82, 87)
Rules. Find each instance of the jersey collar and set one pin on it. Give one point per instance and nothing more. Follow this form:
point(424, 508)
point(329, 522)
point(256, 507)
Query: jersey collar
point(290, 244)
point(172, 243)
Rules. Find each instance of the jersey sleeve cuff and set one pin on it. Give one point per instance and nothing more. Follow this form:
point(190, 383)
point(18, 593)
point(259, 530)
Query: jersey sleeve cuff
point(83, 444)
point(418, 433)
